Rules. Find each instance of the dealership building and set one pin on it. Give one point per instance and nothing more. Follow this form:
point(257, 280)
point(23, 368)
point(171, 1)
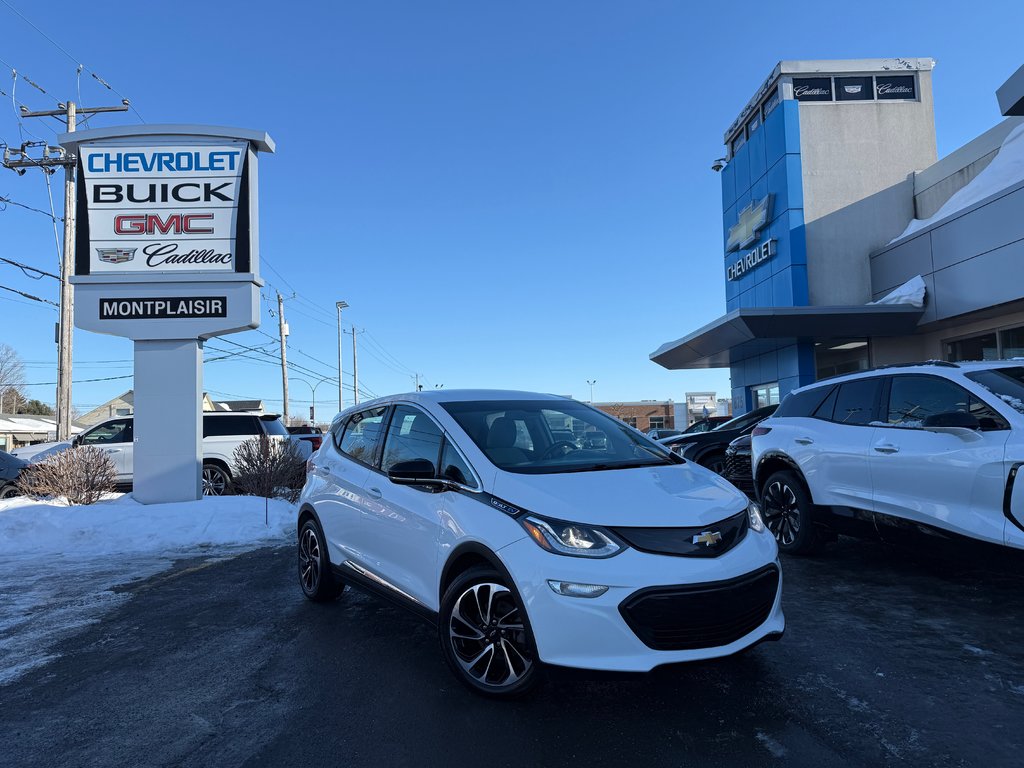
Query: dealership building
point(848, 243)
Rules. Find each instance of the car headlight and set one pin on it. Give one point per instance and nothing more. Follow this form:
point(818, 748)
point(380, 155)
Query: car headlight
point(756, 521)
point(573, 539)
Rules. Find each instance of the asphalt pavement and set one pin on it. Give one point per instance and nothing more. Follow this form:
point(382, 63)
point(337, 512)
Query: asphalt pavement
point(890, 658)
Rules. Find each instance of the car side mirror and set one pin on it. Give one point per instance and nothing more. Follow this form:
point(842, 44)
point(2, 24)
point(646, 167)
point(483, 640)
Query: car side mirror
point(414, 472)
point(959, 419)
point(76, 441)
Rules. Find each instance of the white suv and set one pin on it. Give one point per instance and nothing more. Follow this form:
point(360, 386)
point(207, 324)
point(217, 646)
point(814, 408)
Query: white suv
point(222, 434)
point(934, 446)
point(475, 510)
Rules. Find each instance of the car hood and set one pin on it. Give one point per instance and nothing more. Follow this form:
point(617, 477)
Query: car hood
point(676, 495)
point(40, 450)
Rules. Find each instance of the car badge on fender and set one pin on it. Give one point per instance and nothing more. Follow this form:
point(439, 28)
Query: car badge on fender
point(707, 538)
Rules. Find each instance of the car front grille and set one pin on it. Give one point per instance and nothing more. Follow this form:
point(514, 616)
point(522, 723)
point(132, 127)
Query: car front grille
point(709, 615)
point(738, 471)
point(709, 540)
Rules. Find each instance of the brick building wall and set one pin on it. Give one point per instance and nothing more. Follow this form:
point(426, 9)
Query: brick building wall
point(644, 415)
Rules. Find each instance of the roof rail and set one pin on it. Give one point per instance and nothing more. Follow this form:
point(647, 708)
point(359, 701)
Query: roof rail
point(939, 363)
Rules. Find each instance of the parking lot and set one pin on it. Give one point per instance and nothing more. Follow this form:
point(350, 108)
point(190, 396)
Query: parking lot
point(889, 657)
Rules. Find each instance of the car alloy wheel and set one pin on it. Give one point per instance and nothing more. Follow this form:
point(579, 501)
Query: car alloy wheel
point(215, 480)
point(788, 511)
point(309, 561)
point(488, 635)
point(781, 512)
point(485, 635)
point(316, 578)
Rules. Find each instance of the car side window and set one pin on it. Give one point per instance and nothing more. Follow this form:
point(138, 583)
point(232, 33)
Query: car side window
point(225, 426)
point(804, 403)
point(455, 468)
point(412, 435)
point(108, 434)
point(856, 401)
point(363, 434)
point(912, 399)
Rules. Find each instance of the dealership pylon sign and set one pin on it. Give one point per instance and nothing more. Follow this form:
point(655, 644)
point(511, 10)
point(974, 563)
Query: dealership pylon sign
point(167, 254)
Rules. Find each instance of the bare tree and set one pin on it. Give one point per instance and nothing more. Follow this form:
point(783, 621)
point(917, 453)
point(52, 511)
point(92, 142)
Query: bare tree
point(12, 376)
point(80, 475)
point(269, 468)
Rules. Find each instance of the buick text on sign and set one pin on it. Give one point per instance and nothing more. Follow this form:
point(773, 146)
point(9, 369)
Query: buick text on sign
point(183, 307)
point(163, 208)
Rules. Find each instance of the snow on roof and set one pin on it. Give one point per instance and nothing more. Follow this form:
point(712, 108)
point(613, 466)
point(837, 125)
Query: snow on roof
point(1005, 170)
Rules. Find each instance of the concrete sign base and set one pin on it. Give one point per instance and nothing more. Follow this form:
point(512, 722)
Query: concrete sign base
point(168, 421)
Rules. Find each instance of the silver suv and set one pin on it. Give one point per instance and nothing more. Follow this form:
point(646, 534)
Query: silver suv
point(934, 446)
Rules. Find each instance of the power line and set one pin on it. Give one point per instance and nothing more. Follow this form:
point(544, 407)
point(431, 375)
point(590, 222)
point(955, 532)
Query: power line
point(24, 267)
point(74, 60)
point(29, 295)
point(5, 201)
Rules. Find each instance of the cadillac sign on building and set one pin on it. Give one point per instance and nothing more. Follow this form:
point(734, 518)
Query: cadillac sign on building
point(167, 254)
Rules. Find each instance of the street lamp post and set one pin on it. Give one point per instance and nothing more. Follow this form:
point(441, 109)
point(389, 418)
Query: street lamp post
point(312, 387)
point(591, 382)
point(341, 382)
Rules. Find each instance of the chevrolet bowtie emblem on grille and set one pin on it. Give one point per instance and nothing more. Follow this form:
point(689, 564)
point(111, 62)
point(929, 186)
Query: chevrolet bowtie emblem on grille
point(707, 538)
point(751, 220)
point(116, 255)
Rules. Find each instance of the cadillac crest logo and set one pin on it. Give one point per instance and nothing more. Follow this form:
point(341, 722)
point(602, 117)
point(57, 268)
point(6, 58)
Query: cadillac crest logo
point(115, 255)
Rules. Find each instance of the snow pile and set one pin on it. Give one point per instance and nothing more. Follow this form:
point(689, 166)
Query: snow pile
point(1005, 170)
point(121, 526)
point(911, 292)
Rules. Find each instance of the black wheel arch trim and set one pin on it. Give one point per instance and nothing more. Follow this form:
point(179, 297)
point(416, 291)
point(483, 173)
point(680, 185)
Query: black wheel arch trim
point(765, 458)
point(1011, 479)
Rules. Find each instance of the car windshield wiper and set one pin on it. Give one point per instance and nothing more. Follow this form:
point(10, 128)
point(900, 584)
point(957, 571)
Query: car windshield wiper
point(602, 467)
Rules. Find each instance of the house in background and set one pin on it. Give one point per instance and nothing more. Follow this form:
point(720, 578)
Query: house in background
point(124, 405)
point(17, 430)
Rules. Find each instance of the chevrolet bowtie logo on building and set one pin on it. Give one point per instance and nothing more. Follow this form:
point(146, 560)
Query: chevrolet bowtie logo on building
point(752, 220)
point(707, 538)
point(115, 255)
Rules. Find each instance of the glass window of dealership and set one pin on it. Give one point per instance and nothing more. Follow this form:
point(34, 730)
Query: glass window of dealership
point(825, 168)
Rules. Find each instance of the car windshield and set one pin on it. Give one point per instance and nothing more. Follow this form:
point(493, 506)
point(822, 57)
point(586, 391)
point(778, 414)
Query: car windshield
point(741, 422)
point(1005, 383)
point(553, 436)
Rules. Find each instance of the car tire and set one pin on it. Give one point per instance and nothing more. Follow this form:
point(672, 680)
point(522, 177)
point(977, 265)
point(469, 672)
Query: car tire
point(788, 511)
point(713, 461)
point(486, 637)
point(316, 578)
point(9, 491)
point(216, 480)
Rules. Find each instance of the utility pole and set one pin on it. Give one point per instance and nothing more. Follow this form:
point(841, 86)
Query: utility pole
point(355, 368)
point(341, 382)
point(53, 157)
point(283, 330)
point(417, 378)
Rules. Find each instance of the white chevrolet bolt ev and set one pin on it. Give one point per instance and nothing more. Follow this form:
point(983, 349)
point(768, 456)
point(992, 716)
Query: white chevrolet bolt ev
point(533, 529)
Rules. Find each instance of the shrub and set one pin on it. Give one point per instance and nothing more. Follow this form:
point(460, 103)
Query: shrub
point(269, 468)
point(80, 475)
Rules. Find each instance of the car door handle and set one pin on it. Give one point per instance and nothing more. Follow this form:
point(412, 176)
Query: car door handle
point(374, 493)
point(803, 440)
point(887, 448)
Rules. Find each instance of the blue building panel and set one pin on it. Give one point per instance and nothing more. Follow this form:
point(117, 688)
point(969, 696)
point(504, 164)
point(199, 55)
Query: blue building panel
point(728, 174)
point(741, 161)
point(756, 154)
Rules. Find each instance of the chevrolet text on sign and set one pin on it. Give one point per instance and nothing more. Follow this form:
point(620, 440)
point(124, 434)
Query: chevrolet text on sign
point(165, 208)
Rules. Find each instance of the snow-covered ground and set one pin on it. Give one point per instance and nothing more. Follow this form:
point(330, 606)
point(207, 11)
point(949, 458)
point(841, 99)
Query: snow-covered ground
point(60, 564)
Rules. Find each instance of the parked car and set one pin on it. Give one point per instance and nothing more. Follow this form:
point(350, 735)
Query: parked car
point(524, 549)
point(934, 446)
point(10, 469)
point(708, 448)
point(306, 436)
point(706, 424)
point(660, 433)
point(222, 434)
point(737, 464)
point(39, 451)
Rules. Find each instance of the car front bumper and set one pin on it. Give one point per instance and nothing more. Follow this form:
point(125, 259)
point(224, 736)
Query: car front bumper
point(593, 633)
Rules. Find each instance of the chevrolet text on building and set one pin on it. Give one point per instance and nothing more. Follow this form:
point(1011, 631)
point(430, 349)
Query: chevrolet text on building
point(167, 240)
point(759, 255)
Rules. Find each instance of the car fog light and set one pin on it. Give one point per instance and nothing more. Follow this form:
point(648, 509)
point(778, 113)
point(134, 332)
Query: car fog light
point(572, 589)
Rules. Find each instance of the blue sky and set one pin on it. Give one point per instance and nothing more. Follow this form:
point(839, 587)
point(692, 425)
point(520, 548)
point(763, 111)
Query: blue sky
point(507, 194)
